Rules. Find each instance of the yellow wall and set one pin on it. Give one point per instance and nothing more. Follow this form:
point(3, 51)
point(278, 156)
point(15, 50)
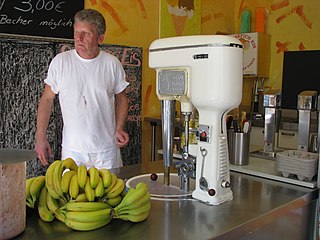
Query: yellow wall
point(299, 27)
point(136, 23)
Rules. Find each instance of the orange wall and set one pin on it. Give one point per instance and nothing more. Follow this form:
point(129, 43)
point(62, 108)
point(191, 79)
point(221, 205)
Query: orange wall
point(292, 24)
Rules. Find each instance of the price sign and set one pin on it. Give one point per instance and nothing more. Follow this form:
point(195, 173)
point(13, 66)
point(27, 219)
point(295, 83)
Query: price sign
point(48, 18)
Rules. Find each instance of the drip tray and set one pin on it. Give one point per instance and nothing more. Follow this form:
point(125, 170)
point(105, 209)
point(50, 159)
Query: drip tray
point(160, 191)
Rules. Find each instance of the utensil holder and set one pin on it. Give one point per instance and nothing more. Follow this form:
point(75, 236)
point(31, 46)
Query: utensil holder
point(238, 146)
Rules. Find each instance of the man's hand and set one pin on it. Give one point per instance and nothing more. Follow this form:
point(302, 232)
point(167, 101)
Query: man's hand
point(44, 151)
point(122, 138)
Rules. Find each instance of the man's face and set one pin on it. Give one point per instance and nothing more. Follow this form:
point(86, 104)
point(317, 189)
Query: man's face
point(86, 39)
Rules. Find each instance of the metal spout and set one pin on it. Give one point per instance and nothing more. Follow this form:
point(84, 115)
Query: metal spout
point(168, 108)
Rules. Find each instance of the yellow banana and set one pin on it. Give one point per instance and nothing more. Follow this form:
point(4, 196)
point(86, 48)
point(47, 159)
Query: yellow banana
point(84, 206)
point(65, 180)
point(81, 226)
point(134, 218)
point(74, 187)
point(89, 191)
point(28, 196)
point(43, 210)
point(69, 163)
point(113, 202)
point(49, 180)
point(82, 176)
point(113, 182)
point(99, 190)
point(81, 198)
point(52, 203)
point(117, 189)
point(93, 216)
point(93, 176)
point(105, 174)
point(36, 187)
point(57, 175)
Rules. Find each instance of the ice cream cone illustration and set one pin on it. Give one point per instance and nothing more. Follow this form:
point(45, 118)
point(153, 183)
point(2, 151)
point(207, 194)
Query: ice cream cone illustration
point(180, 11)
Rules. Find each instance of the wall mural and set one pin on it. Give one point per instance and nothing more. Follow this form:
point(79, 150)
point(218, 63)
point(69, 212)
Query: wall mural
point(180, 17)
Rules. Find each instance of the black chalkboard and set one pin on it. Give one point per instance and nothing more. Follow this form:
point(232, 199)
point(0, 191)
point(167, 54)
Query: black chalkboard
point(300, 73)
point(131, 60)
point(46, 18)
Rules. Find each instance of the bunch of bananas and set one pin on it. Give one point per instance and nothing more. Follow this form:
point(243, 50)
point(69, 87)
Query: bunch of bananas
point(85, 199)
point(135, 205)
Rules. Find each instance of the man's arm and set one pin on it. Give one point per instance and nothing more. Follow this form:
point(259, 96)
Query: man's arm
point(44, 111)
point(121, 110)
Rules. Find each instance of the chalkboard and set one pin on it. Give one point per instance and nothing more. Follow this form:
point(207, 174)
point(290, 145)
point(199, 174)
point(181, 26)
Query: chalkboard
point(300, 73)
point(131, 60)
point(46, 18)
point(23, 67)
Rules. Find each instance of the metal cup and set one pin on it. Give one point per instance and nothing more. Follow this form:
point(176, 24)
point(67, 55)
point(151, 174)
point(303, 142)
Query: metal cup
point(238, 146)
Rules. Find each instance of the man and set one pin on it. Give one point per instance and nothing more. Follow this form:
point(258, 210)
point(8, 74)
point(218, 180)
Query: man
point(91, 86)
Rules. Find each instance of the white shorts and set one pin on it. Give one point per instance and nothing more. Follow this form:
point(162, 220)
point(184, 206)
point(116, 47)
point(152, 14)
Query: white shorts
point(108, 159)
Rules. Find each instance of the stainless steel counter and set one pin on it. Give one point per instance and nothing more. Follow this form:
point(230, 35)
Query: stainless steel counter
point(261, 209)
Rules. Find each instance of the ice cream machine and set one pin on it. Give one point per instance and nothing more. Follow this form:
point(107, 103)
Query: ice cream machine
point(204, 72)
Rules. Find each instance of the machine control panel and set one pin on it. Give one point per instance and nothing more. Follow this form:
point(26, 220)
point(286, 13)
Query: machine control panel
point(203, 133)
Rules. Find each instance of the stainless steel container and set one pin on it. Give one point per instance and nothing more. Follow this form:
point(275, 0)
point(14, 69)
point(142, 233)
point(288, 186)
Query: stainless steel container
point(238, 146)
point(307, 103)
point(13, 191)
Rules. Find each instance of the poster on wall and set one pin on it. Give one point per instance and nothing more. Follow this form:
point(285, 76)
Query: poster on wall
point(180, 17)
point(45, 18)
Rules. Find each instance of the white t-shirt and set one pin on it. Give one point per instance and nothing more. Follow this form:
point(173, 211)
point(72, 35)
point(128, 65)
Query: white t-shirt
point(87, 89)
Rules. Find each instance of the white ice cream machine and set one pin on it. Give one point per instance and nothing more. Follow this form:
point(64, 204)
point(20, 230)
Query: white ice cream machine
point(204, 72)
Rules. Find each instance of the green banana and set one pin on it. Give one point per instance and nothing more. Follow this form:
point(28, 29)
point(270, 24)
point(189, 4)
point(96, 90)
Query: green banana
point(99, 190)
point(105, 174)
point(93, 216)
point(93, 176)
point(49, 180)
point(113, 202)
point(134, 218)
point(124, 191)
point(142, 185)
point(82, 175)
point(69, 163)
point(134, 211)
point(84, 206)
point(134, 196)
point(81, 226)
point(28, 196)
point(74, 187)
point(117, 189)
point(113, 182)
point(65, 180)
point(142, 201)
point(89, 191)
point(43, 210)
